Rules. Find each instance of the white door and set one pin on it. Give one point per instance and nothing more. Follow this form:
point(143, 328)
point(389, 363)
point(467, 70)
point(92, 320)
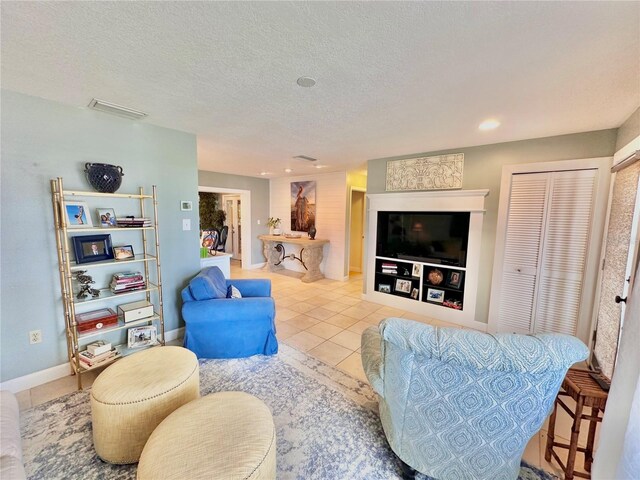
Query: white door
point(546, 245)
point(234, 222)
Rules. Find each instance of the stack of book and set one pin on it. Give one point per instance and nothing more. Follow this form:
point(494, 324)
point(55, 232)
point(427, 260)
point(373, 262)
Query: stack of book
point(390, 268)
point(127, 281)
point(133, 221)
point(88, 359)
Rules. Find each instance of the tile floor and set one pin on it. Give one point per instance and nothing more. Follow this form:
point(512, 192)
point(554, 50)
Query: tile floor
point(325, 319)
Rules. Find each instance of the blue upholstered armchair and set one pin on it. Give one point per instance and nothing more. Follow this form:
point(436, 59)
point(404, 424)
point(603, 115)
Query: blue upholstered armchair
point(459, 404)
point(221, 327)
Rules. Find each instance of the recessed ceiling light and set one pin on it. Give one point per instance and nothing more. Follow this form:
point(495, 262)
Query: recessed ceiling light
point(306, 82)
point(320, 166)
point(265, 173)
point(114, 109)
point(489, 124)
point(288, 170)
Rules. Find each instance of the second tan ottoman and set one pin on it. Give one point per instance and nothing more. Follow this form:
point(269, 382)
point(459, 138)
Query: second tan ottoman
point(132, 396)
point(227, 435)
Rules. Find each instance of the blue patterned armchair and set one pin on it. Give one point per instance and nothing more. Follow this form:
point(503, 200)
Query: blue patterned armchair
point(459, 404)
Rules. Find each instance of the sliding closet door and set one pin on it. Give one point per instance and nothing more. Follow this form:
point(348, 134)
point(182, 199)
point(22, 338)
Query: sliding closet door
point(564, 252)
point(525, 224)
point(546, 244)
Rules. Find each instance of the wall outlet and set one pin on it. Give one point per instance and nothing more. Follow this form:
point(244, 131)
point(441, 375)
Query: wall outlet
point(186, 224)
point(258, 221)
point(35, 336)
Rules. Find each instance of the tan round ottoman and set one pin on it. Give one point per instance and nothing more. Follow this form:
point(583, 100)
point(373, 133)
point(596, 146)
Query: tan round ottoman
point(132, 396)
point(227, 435)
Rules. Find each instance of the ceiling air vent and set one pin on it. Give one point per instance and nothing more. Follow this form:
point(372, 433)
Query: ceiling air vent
point(114, 109)
point(304, 157)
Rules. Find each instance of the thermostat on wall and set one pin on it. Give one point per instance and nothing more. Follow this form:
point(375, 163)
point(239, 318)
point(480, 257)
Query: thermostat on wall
point(186, 205)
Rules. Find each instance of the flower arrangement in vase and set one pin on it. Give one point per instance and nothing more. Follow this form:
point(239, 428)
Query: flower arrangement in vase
point(273, 223)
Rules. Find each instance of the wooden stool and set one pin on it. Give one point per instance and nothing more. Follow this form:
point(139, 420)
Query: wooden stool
point(578, 385)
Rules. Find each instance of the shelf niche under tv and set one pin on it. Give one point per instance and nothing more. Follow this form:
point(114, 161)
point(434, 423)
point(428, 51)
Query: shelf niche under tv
point(457, 302)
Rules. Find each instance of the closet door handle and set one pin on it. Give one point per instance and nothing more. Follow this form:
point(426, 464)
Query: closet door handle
point(620, 299)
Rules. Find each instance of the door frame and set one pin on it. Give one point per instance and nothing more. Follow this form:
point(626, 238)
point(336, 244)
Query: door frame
point(231, 223)
point(622, 155)
point(245, 209)
point(589, 283)
point(348, 229)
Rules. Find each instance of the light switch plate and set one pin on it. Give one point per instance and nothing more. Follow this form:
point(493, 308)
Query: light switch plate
point(186, 224)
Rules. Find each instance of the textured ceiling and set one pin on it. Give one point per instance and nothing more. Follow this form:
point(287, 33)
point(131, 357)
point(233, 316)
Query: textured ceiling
point(393, 78)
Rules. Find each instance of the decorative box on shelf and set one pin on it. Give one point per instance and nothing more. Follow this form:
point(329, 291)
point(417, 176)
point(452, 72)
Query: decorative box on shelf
point(130, 312)
point(96, 319)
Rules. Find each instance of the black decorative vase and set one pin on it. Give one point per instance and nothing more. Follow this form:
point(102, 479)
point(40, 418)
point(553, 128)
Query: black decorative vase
point(312, 232)
point(103, 177)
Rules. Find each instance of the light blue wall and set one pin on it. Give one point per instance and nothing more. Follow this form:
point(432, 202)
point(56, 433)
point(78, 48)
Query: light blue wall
point(483, 170)
point(41, 140)
point(259, 188)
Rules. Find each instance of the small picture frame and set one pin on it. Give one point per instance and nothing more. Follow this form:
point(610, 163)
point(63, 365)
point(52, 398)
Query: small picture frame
point(384, 288)
point(107, 217)
point(186, 205)
point(435, 295)
point(403, 286)
point(92, 248)
point(417, 270)
point(454, 278)
point(77, 215)
point(141, 336)
point(414, 293)
point(124, 252)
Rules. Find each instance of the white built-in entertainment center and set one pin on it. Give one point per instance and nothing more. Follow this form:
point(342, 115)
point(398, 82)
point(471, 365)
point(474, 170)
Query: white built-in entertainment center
point(411, 278)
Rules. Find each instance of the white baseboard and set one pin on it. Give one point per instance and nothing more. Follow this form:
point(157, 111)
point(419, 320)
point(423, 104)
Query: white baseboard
point(47, 375)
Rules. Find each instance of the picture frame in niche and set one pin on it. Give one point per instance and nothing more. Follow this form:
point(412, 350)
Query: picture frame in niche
point(414, 293)
point(434, 295)
point(454, 279)
point(77, 215)
point(123, 252)
point(403, 286)
point(107, 217)
point(141, 336)
point(384, 288)
point(416, 270)
point(92, 248)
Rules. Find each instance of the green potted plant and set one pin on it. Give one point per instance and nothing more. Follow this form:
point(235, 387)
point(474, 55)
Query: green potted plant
point(273, 223)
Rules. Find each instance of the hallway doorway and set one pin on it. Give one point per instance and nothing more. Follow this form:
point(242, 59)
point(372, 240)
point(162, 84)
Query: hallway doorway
point(356, 230)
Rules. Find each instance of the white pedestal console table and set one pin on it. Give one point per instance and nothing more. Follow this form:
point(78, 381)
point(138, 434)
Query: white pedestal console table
point(221, 260)
point(310, 254)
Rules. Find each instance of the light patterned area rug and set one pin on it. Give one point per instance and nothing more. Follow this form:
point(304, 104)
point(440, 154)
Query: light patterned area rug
point(327, 424)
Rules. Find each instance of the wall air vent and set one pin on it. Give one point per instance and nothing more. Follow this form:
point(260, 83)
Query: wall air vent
point(114, 109)
point(304, 157)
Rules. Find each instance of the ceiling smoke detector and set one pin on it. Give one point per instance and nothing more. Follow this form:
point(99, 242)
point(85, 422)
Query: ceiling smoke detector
point(114, 109)
point(304, 157)
point(306, 82)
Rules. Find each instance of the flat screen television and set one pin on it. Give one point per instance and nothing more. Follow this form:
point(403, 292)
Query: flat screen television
point(430, 237)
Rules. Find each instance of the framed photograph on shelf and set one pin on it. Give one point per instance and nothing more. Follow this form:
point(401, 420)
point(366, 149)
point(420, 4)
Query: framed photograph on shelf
point(92, 248)
point(77, 215)
point(417, 270)
point(141, 336)
point(124, 252)
point(454, 279)
point(384, 288)
point(403, 286)
point(107, 217)
point(414, 293)
point(434, 295)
